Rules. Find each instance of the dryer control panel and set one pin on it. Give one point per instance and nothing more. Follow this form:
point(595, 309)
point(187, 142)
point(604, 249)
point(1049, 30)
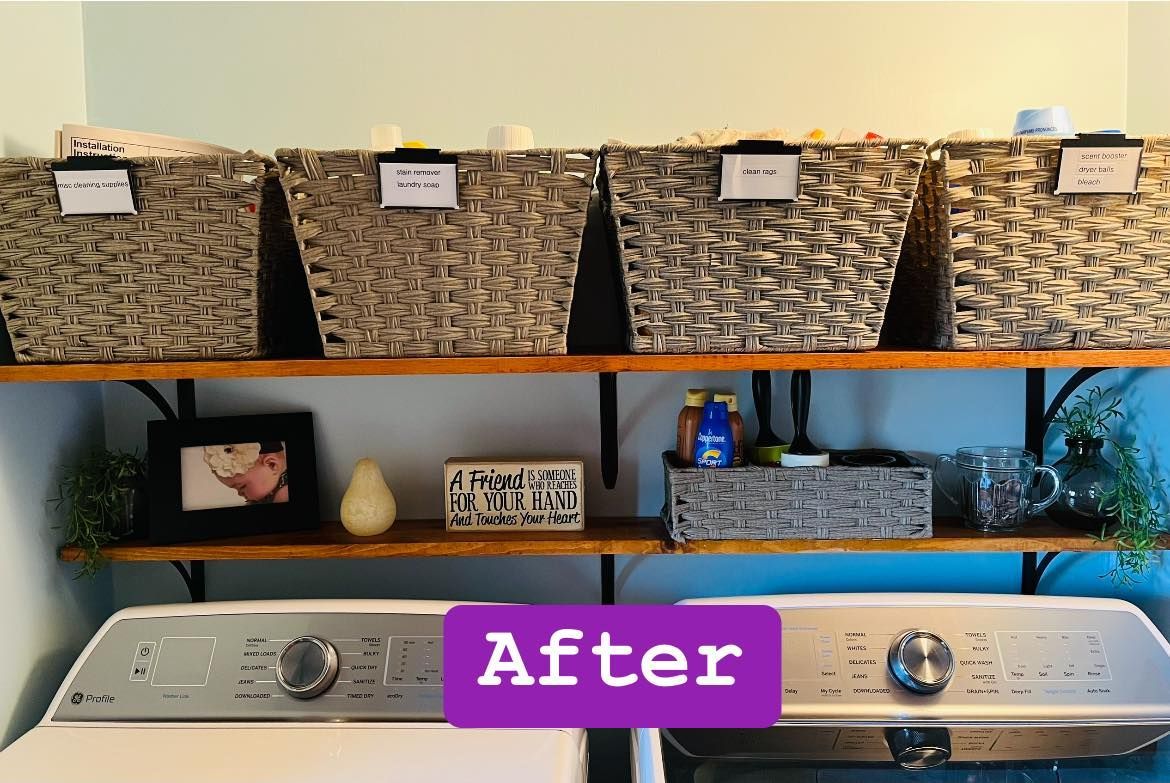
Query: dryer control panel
point(972, 663)
point(262, 667)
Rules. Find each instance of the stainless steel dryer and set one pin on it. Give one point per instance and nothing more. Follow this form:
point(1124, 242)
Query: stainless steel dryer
point(962, 688)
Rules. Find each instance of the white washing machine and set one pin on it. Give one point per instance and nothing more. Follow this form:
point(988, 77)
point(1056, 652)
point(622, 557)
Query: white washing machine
point(274, 691)
point(943, 688)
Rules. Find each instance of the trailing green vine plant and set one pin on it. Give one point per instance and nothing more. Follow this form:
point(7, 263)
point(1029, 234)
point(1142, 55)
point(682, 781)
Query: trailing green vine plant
point(1135, 500)
point(94, 494)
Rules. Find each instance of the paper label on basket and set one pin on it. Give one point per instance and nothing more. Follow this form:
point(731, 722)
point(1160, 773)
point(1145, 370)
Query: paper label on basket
point(760, 176)
point(94, 186)
point(419, 179)
point(1099, 163)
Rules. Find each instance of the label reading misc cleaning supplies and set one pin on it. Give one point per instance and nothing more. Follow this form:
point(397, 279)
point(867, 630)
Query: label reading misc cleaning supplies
point(415, 178)
point(760, 171)
point(94, 185)
point(1099, 163)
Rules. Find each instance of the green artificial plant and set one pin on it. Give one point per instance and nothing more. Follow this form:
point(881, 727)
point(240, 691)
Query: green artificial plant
point(1135, 500)
point(95, 494)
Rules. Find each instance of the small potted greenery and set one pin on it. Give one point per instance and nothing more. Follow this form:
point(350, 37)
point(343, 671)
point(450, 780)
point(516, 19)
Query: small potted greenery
point(104, 496)
point(1120, 503)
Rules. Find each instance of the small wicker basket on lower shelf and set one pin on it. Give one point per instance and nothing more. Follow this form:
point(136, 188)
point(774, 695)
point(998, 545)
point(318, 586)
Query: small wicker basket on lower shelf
point(769, 503)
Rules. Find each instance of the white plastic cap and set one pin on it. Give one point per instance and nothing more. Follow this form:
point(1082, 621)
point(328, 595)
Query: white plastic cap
point(385, 137)
point(972, 133)
point(789, 460)
point(510, 137)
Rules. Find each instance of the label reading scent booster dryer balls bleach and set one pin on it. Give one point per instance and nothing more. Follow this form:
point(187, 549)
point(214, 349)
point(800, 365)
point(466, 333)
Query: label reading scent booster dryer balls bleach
point(1099, 163)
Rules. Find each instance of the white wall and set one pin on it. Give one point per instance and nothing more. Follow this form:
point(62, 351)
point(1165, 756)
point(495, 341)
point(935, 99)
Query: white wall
point(48, 617)
point(44, 85)
point(1149, 68)
point(320, 74)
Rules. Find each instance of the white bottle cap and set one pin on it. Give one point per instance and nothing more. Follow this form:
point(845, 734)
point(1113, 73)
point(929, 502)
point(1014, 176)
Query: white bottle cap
point(510, 137)
point(965, 134)
point(1048, 121)
point(789, 460)
point(385, 137)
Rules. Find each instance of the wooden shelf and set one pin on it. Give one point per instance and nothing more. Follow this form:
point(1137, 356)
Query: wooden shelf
point(408, 538)
point(884, 359)
point(633, 536)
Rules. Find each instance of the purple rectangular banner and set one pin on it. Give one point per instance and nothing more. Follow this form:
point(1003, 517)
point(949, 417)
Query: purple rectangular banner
point(611, 666)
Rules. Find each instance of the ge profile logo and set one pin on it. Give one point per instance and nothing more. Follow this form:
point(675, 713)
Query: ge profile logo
point(77, 698)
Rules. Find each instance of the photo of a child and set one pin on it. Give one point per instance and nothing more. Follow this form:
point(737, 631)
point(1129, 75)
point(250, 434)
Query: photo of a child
point(234, 474)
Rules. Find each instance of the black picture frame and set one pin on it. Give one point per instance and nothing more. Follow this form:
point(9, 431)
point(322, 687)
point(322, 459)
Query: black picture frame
point(170, 524)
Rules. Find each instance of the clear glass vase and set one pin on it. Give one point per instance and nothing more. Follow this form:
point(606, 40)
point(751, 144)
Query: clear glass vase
point(1087, 478)
point(131, 518)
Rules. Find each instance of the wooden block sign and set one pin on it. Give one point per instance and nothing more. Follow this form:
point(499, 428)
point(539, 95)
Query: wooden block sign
point(514, 494)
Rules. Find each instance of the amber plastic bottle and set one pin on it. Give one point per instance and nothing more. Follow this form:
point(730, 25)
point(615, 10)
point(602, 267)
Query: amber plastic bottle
point(736, 423)
point(689, 419)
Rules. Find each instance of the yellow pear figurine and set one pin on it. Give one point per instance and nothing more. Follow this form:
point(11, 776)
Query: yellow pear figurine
point(368, 507)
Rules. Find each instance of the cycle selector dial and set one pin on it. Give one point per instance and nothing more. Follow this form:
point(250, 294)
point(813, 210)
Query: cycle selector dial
point(921, 661)
point(306, 667)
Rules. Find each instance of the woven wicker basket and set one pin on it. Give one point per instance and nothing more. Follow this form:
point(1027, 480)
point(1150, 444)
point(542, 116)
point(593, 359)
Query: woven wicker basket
point(756, 502)
point(491, 278)
point(704, 276)
point(994, 260)
point(179, 280)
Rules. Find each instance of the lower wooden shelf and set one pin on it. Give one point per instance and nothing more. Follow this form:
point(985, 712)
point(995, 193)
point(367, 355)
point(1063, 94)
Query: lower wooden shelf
point(603, 536)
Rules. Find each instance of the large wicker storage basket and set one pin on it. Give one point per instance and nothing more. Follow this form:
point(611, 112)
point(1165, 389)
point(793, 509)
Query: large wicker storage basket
point(179, 280)
point(705, 276)
point(491, 278)
point(993, 259)
point(755, 502)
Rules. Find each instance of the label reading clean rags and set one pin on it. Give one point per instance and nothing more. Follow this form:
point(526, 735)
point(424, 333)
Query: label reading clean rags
point(419, 185)
point(95, 192)
point(771, 177)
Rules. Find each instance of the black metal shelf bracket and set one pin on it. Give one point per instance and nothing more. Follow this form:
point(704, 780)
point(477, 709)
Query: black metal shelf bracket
point(607, 392)
point(1037, 419)
point(607, 580)
point(607, 385)
point(195, 579)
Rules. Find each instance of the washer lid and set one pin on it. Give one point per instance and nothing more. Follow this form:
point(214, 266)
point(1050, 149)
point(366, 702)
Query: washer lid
point(436, 753)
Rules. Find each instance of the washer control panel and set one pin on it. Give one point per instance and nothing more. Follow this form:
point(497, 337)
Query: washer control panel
point(256, 667)
point(972, 663)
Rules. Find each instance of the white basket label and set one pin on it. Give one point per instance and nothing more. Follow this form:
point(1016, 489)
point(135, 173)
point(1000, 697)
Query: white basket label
point(95, 185)
point(1099, 163)
point(760, 171)
point(419, 179)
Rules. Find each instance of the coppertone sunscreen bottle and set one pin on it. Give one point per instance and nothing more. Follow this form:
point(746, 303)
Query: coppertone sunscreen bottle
point(713, 445)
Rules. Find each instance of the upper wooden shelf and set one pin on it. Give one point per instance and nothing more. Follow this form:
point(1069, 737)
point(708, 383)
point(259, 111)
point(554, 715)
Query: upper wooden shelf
point(882, 359)
point(636, 536)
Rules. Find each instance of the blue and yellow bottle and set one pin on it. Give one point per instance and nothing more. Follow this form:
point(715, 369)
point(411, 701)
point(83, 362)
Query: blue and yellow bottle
point(713, 446)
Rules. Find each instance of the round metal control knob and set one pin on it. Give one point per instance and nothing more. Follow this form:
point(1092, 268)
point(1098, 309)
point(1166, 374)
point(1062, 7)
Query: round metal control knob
point(921, 661)
point(306, 667)
point(919, 748)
